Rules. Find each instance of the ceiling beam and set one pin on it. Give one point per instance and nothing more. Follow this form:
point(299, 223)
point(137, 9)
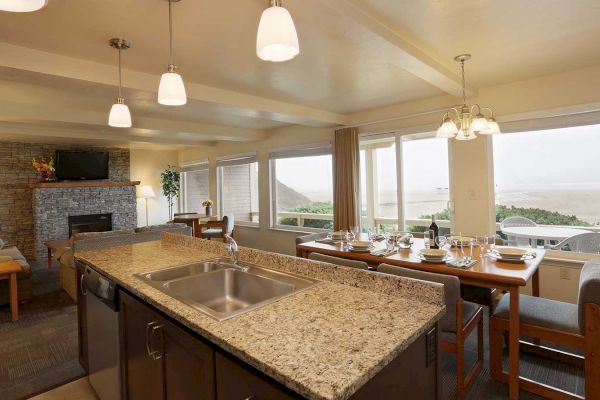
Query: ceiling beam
point(68, 67)
point(411, 55)
point(144, 127)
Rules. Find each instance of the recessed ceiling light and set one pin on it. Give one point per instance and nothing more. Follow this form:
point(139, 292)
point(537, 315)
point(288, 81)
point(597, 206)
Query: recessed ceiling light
point(22, 5)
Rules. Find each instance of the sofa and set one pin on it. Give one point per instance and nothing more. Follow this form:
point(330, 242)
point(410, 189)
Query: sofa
point(100, 240)
point(23, 277)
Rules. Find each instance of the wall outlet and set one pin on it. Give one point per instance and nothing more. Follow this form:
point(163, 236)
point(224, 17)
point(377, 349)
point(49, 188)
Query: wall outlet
point(565, 273)
point(472, 195)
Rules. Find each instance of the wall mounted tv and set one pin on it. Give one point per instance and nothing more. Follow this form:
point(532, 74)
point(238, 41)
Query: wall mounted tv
point(79, 165)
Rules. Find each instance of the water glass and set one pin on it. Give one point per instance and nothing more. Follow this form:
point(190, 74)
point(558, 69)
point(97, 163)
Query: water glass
point(428, 237)
point(482, 242)
point(329, 235)
point(390, 244)
point(345, 240)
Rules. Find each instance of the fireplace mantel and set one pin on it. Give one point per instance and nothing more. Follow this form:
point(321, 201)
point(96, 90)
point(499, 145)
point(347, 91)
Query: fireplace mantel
point(82, 184)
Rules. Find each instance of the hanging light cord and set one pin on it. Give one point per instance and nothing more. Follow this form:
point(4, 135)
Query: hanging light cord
point(120, 95)
point(462, 66)
point(170, 35)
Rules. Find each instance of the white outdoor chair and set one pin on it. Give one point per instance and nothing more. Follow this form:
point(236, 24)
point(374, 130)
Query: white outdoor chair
point(582, 243)
point(512, 222)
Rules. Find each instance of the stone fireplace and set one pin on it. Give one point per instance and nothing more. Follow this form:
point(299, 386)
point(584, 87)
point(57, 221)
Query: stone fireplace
point(55, 205)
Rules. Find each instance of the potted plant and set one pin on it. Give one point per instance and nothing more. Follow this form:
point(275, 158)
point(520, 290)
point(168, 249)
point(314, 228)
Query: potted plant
point(207, 204)
point(169, 179)
point(45, 166)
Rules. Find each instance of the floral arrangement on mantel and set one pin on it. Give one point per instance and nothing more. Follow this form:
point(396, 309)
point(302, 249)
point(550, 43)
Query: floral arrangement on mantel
point(207, 204)
point(45, 166)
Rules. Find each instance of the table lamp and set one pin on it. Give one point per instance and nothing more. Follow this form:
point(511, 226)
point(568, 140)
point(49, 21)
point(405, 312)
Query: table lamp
point(146, 193)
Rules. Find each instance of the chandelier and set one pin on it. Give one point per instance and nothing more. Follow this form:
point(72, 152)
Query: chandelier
point(465, 123)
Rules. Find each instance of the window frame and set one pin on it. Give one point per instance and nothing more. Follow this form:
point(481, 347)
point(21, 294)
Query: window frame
point(320, 149)
point(231, 160)
point(195, 166)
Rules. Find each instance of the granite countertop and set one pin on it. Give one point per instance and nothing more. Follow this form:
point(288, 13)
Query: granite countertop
point(323, 343)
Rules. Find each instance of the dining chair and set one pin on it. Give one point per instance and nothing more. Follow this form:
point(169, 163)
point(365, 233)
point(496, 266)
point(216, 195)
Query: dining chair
point(338, 261)
point(309, 238)
point(573, 325)
point(512, 222)
point(582, 243)
point(456, 326)
point(218, 229)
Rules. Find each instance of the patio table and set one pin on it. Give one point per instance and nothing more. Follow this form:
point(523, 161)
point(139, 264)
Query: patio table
point(546, 233)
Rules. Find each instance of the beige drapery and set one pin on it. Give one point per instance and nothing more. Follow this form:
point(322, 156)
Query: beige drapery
point(345, 177)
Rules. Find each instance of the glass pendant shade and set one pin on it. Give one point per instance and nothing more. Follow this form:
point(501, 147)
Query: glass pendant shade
point(171, 91)
point(493, 128)
point(464, 137)
point(479, 124)
point(22, 5)
point(447, 130)
point(119, 116)
point(277, 39)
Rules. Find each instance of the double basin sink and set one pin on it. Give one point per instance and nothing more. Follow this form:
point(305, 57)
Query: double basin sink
point(222, 289)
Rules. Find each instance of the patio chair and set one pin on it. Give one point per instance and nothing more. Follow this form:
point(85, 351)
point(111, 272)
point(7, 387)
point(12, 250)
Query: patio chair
point(512, 222)
point(582, 243)
point(460, 320)
point(338, 261)
point(571, 325)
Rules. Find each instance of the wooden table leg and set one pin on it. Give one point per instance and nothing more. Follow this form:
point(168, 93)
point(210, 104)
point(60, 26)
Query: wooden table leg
point(513, 340)
point(14, 303)
point(535, 283)
point(49, 257)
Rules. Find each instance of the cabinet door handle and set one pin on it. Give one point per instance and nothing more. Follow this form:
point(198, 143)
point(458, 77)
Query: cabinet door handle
point(83, 292)
point(151, 329)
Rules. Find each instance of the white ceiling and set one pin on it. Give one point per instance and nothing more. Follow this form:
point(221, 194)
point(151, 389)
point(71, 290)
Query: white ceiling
point(57, 70)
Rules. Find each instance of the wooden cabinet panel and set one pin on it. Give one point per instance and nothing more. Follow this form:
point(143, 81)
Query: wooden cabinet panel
point(236, 381)
point(189, 365)
point(143, 374)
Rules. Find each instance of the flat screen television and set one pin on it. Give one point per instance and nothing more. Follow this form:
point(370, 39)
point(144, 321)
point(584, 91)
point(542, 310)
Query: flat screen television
point(79, 165)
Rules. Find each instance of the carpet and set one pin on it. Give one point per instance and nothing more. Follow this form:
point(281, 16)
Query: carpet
point(39, 351)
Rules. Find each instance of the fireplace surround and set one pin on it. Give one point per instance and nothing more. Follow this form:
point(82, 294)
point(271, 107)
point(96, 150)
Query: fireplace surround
point(89, 223)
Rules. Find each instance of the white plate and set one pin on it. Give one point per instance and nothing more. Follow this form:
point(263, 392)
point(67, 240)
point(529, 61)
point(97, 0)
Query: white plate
point(433, 253)
point(435, 261)
point(496, 256)
point(357, 244)
point(511, 252)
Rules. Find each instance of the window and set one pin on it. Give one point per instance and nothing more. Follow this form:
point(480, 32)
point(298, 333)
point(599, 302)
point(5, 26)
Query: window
point(425, 177)
point(302, 187)
point(194, 187)
point(238, 188)
point(379, 182)
point(425, 182)
point(549, 177)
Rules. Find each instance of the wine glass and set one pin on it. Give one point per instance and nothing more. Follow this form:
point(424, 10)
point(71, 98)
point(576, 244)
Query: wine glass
point(441, 241)
point(354, 230)
point(371, 234)
point(482, 242)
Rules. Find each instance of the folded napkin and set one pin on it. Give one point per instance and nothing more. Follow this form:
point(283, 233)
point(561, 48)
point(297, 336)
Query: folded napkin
point(461, 263)
point(382, 252)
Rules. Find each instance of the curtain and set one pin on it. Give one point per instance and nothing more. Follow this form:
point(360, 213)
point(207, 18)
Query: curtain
point(346, 178)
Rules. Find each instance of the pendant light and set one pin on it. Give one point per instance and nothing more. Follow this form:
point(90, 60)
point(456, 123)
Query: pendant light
point(277, 39)
point(467, 122)
point(171, 91)
point(119, 116)
point(22, 5)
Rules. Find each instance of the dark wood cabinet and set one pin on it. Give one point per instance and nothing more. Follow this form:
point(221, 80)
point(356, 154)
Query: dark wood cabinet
point(237, 381)
point(81, 318)
point(159, 359)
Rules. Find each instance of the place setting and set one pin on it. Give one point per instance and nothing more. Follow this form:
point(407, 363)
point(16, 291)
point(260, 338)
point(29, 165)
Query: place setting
point(511, 254)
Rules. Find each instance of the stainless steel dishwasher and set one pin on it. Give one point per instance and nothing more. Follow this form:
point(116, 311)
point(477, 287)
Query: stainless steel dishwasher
point(103, 334)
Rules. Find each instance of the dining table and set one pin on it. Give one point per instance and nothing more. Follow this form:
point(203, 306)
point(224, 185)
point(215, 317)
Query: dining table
point(196, 221)
point(487, 272)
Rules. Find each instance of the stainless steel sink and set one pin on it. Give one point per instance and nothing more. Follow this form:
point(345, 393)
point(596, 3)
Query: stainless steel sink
point(182, 271)
point(223, 290)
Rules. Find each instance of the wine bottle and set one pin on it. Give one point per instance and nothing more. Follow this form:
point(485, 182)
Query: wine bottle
point(433, 227)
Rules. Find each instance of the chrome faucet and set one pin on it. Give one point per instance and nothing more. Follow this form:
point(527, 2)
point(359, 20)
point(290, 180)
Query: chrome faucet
point(232, 249)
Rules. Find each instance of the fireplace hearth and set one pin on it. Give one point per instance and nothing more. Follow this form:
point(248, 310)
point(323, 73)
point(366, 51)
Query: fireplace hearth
point(90, 223)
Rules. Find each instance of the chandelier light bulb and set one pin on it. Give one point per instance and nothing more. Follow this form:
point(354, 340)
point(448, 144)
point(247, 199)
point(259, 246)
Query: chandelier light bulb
point(22, 5)
point(119, 116)
point(277, 39)
point(171, 90)
point(447, 130)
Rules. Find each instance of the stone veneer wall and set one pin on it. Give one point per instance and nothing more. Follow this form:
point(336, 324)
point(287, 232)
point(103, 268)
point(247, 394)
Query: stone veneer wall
point(51, 222)
point(16, 211)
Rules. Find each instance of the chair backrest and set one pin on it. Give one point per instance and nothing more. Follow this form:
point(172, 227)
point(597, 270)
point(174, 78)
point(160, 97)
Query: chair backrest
point(338, 261)
point(589, 288)
point(229, 221)
point(451, 290)
point(582, 243)
point(516, 222)
point(311, 237)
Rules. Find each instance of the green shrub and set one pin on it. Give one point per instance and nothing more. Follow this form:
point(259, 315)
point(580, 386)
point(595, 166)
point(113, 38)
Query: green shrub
point(313, 208)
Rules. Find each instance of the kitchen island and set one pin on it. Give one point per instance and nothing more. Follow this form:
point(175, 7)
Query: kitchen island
point(353, 333)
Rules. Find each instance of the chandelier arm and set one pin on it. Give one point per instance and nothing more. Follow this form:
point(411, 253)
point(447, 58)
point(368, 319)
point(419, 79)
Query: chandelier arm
point(489, 110)
point(456, 111)
point(475, 106)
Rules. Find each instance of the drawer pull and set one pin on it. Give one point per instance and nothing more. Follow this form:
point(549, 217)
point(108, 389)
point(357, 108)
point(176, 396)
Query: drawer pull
point(83, 292)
